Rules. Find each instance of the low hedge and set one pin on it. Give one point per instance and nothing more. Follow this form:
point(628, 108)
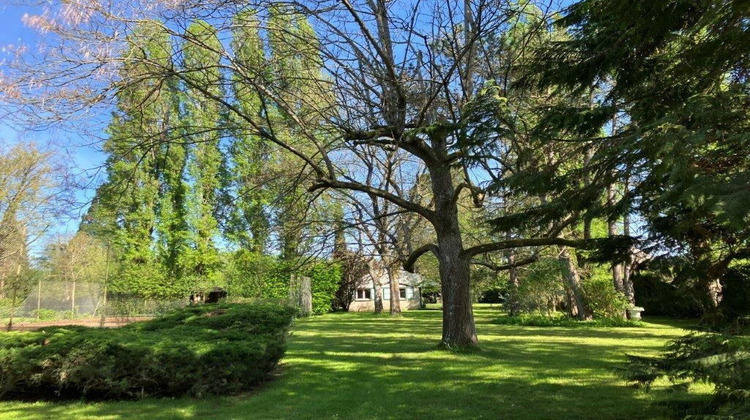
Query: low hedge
point(203, 349)
point(560, 320)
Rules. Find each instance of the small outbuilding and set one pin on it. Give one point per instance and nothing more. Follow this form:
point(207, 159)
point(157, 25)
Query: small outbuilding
point(410, 292)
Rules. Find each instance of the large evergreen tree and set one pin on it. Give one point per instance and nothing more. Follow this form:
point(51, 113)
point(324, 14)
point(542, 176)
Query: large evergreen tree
point(677, 74)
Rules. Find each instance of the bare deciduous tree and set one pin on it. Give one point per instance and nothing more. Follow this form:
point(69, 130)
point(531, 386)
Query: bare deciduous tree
point(391, 75)
point(32, 193)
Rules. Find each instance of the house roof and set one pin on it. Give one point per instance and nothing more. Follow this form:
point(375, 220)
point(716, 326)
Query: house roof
point(404, 278)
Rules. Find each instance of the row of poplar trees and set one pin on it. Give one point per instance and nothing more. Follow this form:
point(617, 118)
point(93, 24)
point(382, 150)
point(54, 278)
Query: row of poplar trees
point(182, 185)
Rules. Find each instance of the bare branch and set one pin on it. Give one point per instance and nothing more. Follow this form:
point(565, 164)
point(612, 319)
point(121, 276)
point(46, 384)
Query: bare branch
point(409, 263)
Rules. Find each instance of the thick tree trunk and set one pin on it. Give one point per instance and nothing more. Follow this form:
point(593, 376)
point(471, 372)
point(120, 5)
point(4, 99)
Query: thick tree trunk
point(628, 283)
point(395, 297)
point(459, 330)
point(458, 317)
point(573, 284)
point(375, 275)
point(618, 278)
point(571, 301)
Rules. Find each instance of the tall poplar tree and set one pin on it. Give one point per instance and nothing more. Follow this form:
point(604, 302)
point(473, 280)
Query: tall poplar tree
point(251, 158)
point(202, 119)
point(132, 189)
point(301, 92)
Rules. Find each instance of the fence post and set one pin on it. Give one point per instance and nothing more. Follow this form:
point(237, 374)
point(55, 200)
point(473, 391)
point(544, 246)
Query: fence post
point(13, 300)
point(103, 319)
point(73, 300)
point(38, 298)
point(305, 300)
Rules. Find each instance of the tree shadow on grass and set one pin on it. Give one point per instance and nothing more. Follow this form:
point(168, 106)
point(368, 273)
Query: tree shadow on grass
point(360, 366)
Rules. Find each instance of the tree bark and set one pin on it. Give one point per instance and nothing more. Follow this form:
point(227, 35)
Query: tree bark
point(378, 296)
point(628, 267)
point(459, 330)
point(617, 268)
point(714, 292)
point(514, 305)
point(393, 283)
point(573, 284)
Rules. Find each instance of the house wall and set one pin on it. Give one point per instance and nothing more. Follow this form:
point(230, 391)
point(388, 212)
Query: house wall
point(368, 305)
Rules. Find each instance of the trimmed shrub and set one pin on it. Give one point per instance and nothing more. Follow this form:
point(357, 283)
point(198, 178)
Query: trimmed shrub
point(205, 349)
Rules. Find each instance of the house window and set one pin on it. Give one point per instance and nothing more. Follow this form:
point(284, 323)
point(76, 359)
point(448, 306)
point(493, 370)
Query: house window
point(364, 294)
point(402, 293)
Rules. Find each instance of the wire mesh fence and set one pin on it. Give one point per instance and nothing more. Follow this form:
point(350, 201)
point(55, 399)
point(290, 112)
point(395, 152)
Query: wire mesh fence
point(57, 303)
point(73, 298)
point(51, 303)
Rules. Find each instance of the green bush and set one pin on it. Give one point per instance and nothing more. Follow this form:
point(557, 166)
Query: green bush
point(255, 276)
point(601, 296)
point(325, 278)
point(246, 273)
point(50, 314)
point(203, 349)
point(561, 320)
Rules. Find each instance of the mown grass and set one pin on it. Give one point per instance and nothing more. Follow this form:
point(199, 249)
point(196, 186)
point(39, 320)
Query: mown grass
point(363, 366)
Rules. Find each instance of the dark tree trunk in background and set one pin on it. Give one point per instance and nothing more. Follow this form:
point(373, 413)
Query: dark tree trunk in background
point(628, 266)
point(395, 289)
point(573, 284)
point(378, 296)
point(514, 305)
point(617, 269)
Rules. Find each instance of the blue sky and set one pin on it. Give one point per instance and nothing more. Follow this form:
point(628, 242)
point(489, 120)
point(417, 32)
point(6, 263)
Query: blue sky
point(83, 160)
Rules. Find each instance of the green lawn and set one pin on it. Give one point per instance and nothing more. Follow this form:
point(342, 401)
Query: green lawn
point(363, 366)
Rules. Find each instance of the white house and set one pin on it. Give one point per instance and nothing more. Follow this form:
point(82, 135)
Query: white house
point(409, 291)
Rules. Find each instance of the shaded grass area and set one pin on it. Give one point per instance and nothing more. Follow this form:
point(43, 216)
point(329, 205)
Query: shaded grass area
point(363, 366)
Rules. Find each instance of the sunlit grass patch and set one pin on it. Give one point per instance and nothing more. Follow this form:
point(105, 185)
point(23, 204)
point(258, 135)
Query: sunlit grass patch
point(362, 366)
